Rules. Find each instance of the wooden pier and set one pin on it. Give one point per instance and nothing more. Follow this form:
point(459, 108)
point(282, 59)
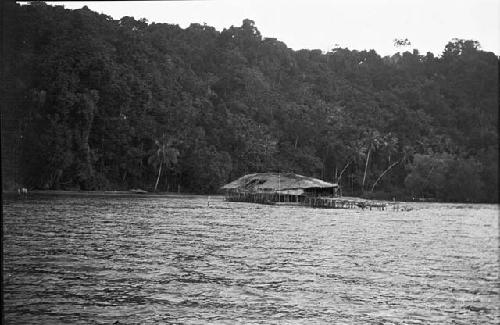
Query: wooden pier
point(342, 203)
point(314, 202)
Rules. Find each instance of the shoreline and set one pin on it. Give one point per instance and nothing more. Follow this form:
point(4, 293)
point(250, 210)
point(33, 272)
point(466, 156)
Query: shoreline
point(146, 194)
point(103, 193)
point(130, 193)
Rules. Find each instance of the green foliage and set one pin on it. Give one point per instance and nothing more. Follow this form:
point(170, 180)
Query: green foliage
point(97, 103)
point(446, 177)
point(427, 175)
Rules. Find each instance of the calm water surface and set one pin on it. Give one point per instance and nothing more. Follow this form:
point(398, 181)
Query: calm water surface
point(146, 260)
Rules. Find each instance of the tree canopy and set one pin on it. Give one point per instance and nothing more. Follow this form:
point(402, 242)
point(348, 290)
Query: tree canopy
point(96, 103)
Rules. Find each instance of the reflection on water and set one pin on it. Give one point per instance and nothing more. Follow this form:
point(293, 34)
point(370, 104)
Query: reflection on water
point(176, 260)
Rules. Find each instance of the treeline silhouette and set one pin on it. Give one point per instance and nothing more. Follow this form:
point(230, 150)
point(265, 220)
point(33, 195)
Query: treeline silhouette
point(94, 103)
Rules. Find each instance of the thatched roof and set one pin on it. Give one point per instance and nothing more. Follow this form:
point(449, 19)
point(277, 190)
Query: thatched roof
point(276, 182)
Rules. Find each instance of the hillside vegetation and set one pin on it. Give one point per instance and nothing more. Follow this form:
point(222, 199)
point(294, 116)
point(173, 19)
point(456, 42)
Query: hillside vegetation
point(95, 103)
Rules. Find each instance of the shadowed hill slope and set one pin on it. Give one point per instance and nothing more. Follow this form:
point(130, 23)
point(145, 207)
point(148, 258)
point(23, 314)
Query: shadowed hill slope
point(97, 103)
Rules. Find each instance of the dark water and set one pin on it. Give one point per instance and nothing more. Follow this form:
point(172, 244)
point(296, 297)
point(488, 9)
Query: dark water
point(174, 260)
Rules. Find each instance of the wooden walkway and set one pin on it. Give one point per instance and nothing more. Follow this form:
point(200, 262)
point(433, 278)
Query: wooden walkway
point(341, 203)
point(314, 202)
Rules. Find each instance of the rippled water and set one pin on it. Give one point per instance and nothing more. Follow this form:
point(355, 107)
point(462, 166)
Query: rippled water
point(176, 260)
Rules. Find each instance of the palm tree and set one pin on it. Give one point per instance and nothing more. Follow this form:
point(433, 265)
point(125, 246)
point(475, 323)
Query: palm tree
point(164, 155)
point(371, 142)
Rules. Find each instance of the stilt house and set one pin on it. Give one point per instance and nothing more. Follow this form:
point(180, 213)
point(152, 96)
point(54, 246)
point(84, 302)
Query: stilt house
point(277, 187)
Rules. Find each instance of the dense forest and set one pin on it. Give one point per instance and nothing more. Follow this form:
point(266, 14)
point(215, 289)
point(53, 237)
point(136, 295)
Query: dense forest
point(94, 103)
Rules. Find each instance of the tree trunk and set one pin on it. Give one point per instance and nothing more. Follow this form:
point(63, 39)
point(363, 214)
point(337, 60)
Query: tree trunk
point(343, 170)
point(366, 168)
point(88, 101)
point(383, 173)
point(158, 178)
